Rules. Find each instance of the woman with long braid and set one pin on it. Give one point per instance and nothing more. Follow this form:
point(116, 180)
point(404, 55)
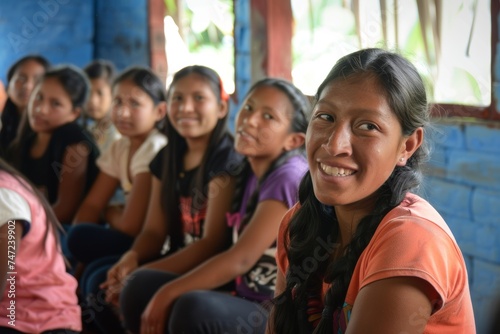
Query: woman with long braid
point(360, 253)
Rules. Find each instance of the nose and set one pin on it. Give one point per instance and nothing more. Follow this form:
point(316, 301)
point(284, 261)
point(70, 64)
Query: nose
point(339, 141)
point(186, 105)
point(94, 99)
point(122, 111)
point(39, 107)
point(250, 118)
point(29, 84)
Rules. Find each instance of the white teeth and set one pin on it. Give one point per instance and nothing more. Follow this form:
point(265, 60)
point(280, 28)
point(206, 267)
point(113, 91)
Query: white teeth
point(335, 171)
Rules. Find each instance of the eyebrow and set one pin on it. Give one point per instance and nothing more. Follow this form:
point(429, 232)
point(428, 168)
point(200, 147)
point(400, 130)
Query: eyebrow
point(372, 111)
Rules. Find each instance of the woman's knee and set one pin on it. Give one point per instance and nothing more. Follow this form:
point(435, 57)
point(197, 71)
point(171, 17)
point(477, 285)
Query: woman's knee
point(137, 291)
point(215, 312)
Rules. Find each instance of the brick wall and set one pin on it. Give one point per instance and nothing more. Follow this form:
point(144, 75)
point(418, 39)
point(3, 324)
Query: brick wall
point(463, 183)
point(61, 30)
point(69, 31)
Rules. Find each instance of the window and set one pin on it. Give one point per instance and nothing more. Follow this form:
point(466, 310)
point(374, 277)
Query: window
point(201, 32)
point(448, 41)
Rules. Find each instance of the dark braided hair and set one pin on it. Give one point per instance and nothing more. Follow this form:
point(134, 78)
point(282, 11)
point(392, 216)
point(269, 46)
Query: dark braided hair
point(406, 96)
point(172, 158)
point(298, 123)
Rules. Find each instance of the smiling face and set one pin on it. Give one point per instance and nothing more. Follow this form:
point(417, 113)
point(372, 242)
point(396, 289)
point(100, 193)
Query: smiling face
point(100, 99)
point(354, 141)
point(23, 82)
point(50, 107)
point(133, 111)
point(194, 109)
point(263, 124)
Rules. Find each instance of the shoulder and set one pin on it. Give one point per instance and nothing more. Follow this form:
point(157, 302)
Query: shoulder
point(292, 170)
point(72, 133)
point(413, 235)
point(13, 200)
point(224, 158)
point(154, 142)
point(416, 213)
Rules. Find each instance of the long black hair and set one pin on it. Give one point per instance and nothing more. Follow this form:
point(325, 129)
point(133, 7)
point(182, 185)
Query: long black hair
point(11, 119)
point(406, 96)
point(298, 123)
point(177, 146)
point(74, 82)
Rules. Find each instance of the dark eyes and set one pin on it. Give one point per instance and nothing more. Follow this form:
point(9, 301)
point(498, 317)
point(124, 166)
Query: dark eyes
point(325, 117)
point(366, 126)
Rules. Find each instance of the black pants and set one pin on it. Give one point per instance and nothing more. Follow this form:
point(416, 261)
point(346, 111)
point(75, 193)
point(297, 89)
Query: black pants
point(9, 330)
point(90, 242)
point(194, 312)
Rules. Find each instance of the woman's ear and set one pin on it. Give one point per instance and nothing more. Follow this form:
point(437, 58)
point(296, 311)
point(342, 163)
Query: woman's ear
point(223, 109)
point(410, 145)
point(77, 111)
point(161, 109)
point(294, 140)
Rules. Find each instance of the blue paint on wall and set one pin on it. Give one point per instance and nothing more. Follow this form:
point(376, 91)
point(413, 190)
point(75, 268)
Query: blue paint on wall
point(122, 32)
point(75, 32)
point(60, 30)
point(464, 186)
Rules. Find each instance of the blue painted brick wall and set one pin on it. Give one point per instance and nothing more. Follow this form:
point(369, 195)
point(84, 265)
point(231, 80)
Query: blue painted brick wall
point(243, 62)
point(485, 292)
point(482, 138)
point(464, 186)
point(60, 30)
point(122, 32)
point(76, 32)
point(475, 168)
point(452, 198)
point(486, 205)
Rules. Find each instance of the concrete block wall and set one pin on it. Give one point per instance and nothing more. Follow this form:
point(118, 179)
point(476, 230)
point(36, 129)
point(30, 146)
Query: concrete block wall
point(463, 183)
point(121, 32)
point(75, 32)
point(243, 59)
point(60, 30)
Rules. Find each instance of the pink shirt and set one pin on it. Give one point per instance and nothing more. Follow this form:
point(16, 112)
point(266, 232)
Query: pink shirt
point(44, 293)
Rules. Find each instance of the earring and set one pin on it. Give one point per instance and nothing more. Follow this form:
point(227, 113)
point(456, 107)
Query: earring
point(401, 159)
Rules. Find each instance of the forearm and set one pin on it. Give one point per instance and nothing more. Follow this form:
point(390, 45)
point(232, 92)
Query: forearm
point(87, 214)
point(64, 213)
point(187, 258)
point(147, 246)
point(215, 272)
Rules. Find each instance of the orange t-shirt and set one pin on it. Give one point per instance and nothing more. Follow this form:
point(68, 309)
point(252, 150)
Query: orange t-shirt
point(3, 96)
point(411, 240)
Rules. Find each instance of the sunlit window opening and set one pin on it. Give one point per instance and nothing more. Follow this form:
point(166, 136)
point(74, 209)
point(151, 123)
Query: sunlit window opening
point(449, 41)
point(201, 33)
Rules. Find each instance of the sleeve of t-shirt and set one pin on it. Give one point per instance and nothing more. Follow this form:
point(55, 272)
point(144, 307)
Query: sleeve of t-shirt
point(14, 207)
point(108, 160)
point(155, 167)
point(283, 183)
point(145, 154)
point(412, 246)
point(224, 159)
